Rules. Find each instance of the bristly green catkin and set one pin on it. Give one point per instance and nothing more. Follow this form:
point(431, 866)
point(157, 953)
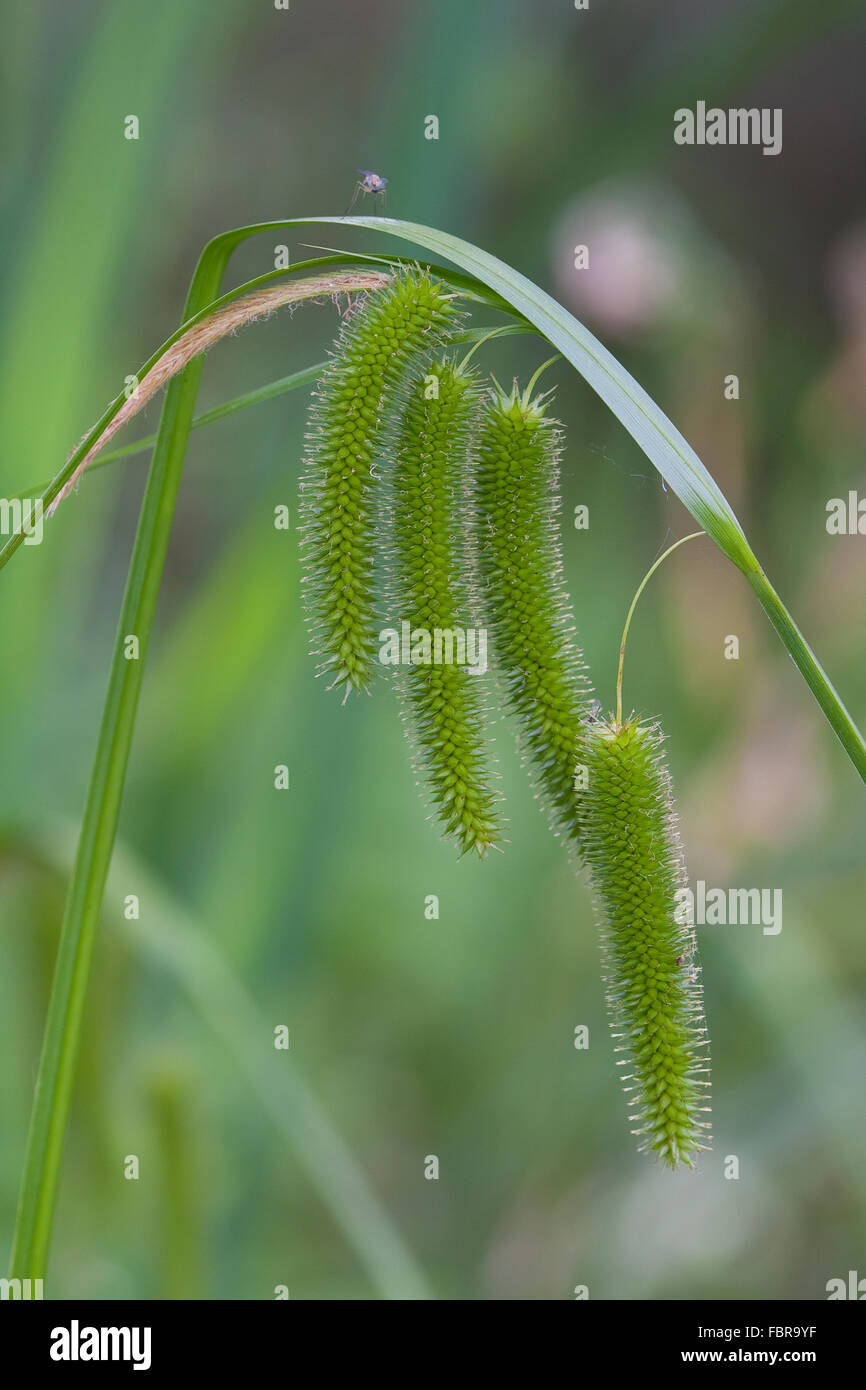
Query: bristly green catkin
point(631, 846)
point(526, 602)
point(379, 340)
point(430, 589)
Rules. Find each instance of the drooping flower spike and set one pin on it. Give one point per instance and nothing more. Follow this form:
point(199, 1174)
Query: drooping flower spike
point(379, 341)
point(631, 846)
point(526, 603)
point(431, 592)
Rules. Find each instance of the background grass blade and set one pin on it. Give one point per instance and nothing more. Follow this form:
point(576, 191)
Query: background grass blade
point(84, 901)
point(173, 938)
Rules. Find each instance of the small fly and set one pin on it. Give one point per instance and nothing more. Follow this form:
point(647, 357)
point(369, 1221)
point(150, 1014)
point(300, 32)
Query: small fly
point(368, 183)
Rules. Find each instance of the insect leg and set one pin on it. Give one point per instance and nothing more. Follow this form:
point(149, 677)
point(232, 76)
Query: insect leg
point(359, 188)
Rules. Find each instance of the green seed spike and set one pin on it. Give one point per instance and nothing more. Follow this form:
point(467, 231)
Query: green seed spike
point(631, 846)
point(527, 606)
point(379, 340)
point(430, 589)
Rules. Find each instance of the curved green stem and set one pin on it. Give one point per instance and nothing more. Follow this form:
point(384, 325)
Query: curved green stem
point(811, 670)
point(646, 579)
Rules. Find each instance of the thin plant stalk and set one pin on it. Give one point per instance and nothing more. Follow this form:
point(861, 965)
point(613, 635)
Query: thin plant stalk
point(78, 932)
point(181, 946)
point(646, 579)
point(84, 901)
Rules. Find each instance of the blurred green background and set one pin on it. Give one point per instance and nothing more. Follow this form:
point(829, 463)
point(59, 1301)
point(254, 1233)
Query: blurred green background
point(412, 1037)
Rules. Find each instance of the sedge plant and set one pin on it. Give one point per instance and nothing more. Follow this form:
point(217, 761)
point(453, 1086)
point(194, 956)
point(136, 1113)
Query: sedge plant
point(552, 706)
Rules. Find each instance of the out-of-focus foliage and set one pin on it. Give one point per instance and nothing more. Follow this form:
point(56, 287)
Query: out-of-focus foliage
point(451, 1036)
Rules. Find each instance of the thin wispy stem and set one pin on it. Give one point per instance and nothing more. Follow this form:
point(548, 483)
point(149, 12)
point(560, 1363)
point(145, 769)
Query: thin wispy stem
point(203, 335)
